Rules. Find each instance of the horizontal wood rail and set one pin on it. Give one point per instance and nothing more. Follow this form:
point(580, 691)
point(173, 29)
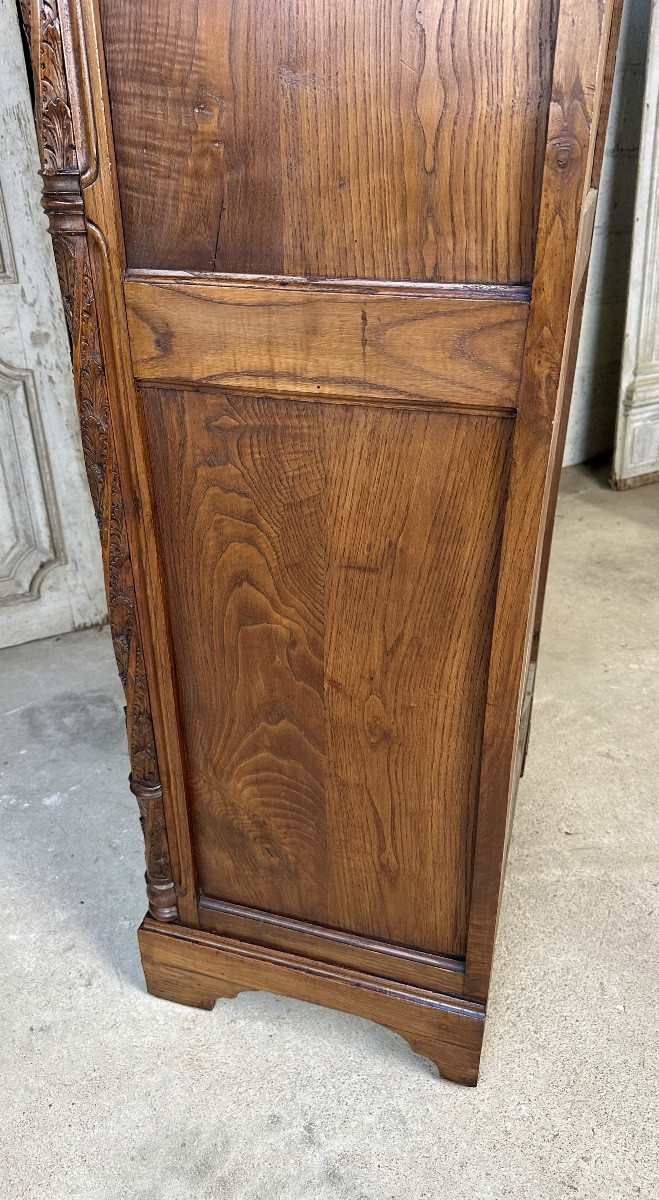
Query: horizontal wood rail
point(332, 946)
point(456, 347)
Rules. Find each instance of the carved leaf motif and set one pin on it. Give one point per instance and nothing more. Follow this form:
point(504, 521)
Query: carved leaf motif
point(120, 581)
point(155, 836)
point(65, 261)
point(58, 149)
point(92, 397)
point(127, 643)
point(105, 487)
point(57, 141)
point(142, 743)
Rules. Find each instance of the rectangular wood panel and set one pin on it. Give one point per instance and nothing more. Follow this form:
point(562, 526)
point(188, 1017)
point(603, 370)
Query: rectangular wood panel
point(385, 139)
point(455, 346)
point(330, 573)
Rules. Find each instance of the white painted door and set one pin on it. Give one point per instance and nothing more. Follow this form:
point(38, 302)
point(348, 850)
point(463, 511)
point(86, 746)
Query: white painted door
point(636, 457)
point(50, 560)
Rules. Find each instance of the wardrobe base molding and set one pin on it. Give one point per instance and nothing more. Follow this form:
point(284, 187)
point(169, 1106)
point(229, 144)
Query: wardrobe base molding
point(194, 967)
point(333, 946)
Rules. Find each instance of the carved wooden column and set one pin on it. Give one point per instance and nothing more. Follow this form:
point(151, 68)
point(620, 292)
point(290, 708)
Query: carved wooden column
point(63, 201)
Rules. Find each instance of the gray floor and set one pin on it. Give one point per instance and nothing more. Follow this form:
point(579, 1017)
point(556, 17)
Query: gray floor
point(107, 1092)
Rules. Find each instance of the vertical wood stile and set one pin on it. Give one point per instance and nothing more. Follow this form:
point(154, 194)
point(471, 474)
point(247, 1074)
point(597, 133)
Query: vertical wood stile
point(577, 88)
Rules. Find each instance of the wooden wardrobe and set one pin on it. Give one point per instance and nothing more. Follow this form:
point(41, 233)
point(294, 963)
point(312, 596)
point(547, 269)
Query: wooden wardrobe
point(323, 263)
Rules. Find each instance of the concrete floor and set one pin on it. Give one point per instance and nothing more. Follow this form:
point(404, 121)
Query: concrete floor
point(108, 1093)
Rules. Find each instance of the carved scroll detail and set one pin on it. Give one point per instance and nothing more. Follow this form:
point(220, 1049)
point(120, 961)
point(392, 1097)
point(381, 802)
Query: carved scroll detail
point(62, 201)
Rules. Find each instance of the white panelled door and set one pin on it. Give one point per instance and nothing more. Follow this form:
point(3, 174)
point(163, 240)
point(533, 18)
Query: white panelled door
point(636, 456)
point(50, 560)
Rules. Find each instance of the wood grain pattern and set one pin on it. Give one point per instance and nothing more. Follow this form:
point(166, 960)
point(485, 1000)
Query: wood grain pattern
point(577, 89)
point(330, 573)
point(574, 327)
point(437, 972)
point(243, 539)
point(397, 139)
point(460, 348)
point(335, 550)
point(417, 502)
point(193, 967)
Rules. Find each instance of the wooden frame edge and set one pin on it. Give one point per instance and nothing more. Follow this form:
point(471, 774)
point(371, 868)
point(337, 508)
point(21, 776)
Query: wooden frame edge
point(578, 88)
point(575, 330)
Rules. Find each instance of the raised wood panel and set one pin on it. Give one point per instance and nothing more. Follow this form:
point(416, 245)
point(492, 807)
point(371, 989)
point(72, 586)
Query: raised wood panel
point(389, 139)
point(330, 573)
point(417, 502)
point(460, 347)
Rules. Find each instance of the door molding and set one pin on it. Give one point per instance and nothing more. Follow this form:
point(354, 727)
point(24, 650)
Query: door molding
point(636, 458)
point(50, 575)
point(31, 509)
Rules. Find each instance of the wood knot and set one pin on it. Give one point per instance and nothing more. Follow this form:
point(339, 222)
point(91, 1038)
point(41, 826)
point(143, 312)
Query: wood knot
point(566, 150)
point(208, 111)
point(376, 723)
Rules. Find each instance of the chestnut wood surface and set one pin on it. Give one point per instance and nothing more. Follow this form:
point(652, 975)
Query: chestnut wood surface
point(388, 959)
point(193, 967)
point(459, 346)
point(330, 573)
point(322, 264)
point(401, 139)
point(558, 275)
